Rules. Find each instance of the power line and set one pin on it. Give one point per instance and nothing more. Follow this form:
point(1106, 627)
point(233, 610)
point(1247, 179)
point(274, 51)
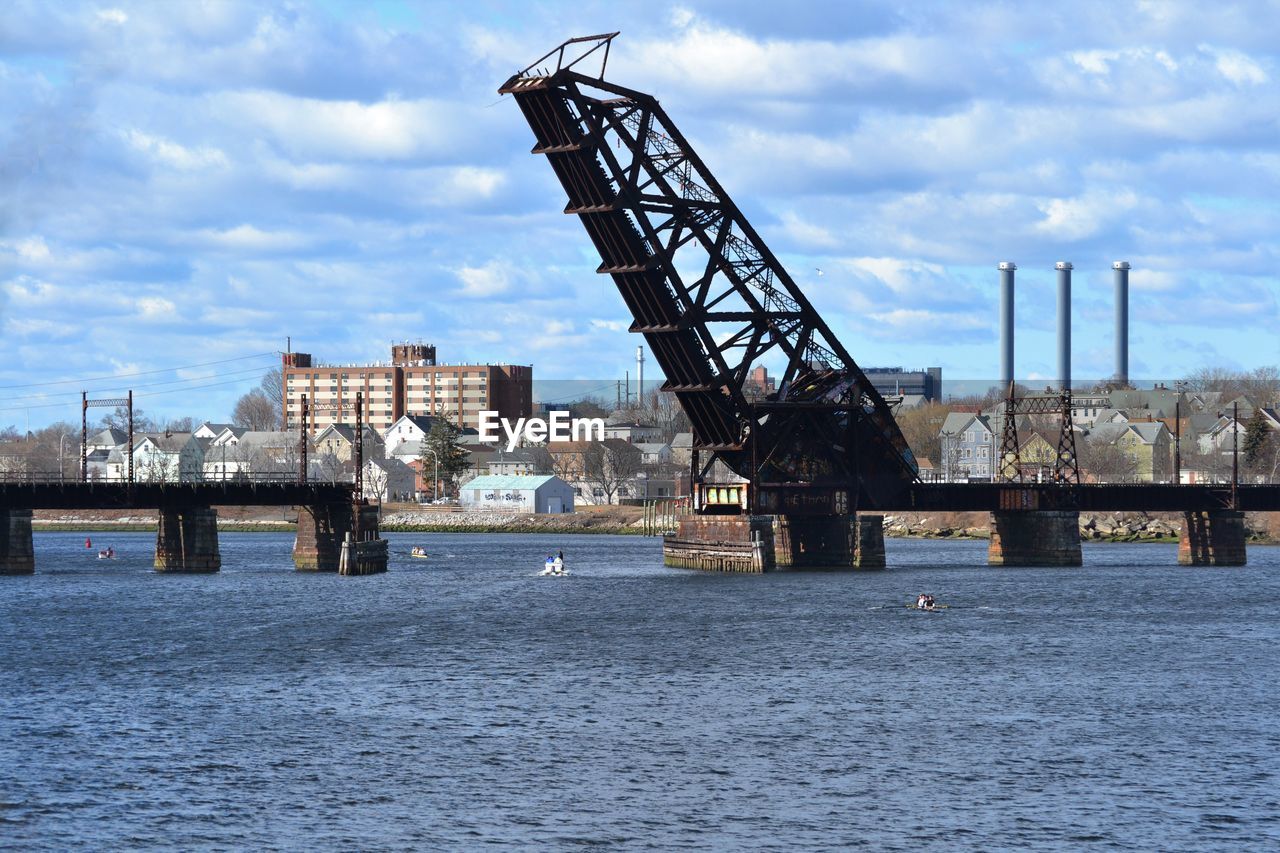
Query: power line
point(139, 373)
point(252, 371)
point(136, 397)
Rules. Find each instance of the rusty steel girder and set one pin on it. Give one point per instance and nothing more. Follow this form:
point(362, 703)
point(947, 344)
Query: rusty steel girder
point(710, 298)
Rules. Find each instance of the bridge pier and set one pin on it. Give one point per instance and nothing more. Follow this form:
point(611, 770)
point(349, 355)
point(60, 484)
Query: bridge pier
point(368, 555)
point(187, 541)
point(321, 531)
point(1035, 538)
point(326, 541)
point(763, 543)
point(828, 541)
point(721, 543)
point(1213, 538)
point(17, 555)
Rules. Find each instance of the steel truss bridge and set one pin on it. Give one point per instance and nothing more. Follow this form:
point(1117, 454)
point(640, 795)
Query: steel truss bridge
point(713, 302)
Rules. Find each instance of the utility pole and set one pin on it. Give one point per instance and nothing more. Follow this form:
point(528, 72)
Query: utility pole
point(1235, 455)
point(1177, 442)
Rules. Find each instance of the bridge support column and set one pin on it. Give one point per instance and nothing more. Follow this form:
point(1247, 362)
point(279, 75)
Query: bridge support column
point(1035, 538)
point(721, 543)
point(829, 541)
point(17, 556)
point(368, 556)
point(321, 531)
point(1214, 538)
point(187, 541)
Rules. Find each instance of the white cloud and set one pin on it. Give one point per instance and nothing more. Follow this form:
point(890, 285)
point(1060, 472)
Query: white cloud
point(155, 308)
point(1082, 216)
point(112, 16)
point(492, 279)
point(345, 129)
point(175, 155)
point(1239, 68)
point(250, 238)
point(611, 325)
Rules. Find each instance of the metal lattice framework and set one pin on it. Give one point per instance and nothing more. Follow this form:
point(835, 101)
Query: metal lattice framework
point(1066, 469)
point(710, 298)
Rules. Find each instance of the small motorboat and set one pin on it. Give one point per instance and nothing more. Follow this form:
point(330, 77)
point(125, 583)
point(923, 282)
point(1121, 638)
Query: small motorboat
point(419, 553)
point(554, 569)
point(107, 554)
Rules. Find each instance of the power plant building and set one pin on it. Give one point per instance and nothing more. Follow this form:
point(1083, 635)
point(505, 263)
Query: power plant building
point(411, 383)
point(926, 383)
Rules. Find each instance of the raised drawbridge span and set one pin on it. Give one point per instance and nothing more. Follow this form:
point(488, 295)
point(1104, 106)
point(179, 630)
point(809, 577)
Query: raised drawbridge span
point(713, 303)
point(710, 298)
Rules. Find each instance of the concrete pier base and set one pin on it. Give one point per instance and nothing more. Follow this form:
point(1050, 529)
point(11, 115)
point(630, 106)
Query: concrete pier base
point(187, 541)
point(17, 555)
point(828, 542)
point(368, 555)
point(763, 543)
point(1036, 538)
point(1214, 538)
point(321, 531)
point(721, 543)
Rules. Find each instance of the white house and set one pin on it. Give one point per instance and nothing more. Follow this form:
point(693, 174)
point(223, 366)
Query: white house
point(167, 457)
point(249, 453)
point(654, 452)
point(210, 430)
point(635, 433)
point(542, 493)
point(407, 428)
point(388, 480)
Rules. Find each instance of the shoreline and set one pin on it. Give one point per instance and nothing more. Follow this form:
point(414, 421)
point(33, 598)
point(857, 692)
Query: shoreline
point(629, 521)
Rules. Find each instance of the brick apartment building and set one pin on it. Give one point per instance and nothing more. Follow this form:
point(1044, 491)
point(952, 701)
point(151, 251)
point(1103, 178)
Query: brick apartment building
point(412, 383)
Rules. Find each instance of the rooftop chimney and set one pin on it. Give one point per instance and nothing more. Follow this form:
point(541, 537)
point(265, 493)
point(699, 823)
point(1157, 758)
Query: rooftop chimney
point(1064, 324)
point(1006, 323)
point(1122, 321)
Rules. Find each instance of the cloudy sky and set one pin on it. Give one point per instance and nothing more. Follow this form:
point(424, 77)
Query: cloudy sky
point(184, 184)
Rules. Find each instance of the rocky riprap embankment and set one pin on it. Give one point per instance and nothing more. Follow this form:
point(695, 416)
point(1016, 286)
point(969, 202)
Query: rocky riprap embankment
point(1093, 526)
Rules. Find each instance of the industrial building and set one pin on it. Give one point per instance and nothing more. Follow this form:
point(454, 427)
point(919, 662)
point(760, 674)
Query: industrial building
point(895, 381)
point(411, 383)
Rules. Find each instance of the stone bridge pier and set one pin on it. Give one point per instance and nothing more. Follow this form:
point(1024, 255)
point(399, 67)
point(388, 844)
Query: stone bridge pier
point(17, 553)
point(326, 542)
point(763, 543)
point(187, 541)
point(1214, 538)
point(1035, 538)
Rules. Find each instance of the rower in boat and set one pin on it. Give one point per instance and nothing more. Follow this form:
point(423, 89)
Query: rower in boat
point(925, 602)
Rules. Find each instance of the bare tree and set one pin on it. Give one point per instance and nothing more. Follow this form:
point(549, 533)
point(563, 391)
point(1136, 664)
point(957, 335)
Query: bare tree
point(1106, 461)
point(119, 419)
point(922, 428)
point(256, 412)
point(610, 464)
point(667, 415)
point(273, 386)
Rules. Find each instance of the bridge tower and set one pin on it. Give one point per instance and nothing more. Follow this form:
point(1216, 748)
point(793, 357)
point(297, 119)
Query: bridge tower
point(713, 302)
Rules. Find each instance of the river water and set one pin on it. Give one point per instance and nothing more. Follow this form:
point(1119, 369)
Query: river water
point(461, 702)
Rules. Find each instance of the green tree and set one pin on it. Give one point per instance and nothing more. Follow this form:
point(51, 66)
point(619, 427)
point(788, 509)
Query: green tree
point(1257, 433)
point(442, 440)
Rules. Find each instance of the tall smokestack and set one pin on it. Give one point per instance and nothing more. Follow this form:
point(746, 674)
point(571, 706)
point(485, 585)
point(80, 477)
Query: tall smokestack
point(1006, 323)
point(1121, 276)
point(640, 377)
point(1064, 324)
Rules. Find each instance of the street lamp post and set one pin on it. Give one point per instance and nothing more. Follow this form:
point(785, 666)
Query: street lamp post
point(435, 484)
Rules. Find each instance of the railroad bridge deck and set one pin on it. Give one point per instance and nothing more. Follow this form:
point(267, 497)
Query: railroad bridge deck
point(335, 531)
